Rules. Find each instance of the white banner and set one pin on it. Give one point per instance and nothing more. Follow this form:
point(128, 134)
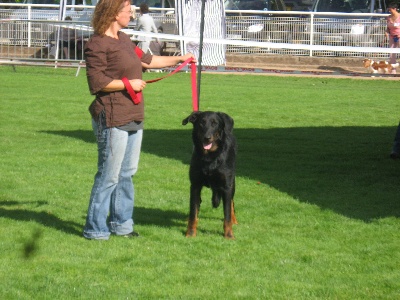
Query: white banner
point(189, 18)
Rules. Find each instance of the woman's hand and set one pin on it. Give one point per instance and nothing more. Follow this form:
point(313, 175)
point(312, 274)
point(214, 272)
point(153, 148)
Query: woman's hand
point(158, 62)
point(187, 56)
point(137, 84)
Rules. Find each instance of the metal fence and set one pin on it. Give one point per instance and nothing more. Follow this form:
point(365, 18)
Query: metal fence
point(46, 38)
point(38, 39)
point(313, 29)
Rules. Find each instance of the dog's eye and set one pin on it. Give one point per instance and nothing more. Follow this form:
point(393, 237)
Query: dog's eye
point(214, 123)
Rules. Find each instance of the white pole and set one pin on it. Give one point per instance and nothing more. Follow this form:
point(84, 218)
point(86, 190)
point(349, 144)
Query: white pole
point(179, 18)
point(61, 14)
point(29, 25)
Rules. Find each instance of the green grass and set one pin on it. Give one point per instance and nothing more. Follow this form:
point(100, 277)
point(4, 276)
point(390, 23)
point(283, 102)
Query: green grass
point(317, 196)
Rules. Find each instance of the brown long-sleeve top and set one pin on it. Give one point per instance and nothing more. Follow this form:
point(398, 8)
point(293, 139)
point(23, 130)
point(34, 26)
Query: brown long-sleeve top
point(108, 59)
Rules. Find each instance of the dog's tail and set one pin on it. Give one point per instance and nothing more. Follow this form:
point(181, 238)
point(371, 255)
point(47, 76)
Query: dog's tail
point(216, 199)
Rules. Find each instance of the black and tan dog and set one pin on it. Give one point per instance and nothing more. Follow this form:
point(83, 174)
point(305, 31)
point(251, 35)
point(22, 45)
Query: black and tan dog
point(212, 165)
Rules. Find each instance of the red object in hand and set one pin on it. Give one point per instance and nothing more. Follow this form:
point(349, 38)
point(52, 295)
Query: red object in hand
point(136, 97)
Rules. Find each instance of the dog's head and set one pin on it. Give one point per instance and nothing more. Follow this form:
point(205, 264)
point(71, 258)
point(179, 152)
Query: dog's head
point(367, 62)
point(209, 129)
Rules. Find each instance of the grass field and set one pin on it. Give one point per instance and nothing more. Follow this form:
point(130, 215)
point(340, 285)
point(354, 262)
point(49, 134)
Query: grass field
point(317, 196)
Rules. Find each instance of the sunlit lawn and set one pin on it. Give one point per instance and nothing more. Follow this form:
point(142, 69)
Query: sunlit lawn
point(317, 196)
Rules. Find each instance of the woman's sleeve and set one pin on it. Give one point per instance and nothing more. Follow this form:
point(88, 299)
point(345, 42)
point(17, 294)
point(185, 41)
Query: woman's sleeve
point(144, 57)
point(96, 64)
point(147, 58)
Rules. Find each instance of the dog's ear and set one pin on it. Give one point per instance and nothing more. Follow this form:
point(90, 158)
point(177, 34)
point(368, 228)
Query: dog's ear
point(191, 118)
point(228, 122)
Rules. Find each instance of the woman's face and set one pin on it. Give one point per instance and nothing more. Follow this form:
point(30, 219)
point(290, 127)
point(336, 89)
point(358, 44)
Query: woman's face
point(124, 15)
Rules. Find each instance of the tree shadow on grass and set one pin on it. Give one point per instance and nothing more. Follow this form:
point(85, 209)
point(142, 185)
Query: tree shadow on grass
point(343, 169)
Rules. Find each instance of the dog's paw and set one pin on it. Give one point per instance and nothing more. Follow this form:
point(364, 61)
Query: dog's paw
point(229, 235)
point(228, 232)
point(191, 232)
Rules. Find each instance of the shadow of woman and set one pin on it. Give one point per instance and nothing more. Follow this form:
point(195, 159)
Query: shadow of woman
point(41, 217)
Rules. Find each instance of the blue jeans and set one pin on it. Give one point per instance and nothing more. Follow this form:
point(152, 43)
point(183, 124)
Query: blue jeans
point(113, 191)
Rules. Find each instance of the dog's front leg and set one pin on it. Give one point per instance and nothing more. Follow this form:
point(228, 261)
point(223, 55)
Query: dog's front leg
point(195, 200)
point(229, 216)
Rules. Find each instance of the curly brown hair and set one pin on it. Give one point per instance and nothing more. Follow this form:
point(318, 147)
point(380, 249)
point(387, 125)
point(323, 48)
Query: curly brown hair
point(105, 13)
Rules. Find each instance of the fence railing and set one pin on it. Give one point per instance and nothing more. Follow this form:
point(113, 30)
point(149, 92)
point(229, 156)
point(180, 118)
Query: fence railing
point(311, 29)
point(38, 35)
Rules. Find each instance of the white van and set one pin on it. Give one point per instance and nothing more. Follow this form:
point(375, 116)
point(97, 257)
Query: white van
point(47, 9)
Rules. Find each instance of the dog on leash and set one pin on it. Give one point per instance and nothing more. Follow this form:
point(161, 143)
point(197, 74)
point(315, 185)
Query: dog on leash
point(379, 66)
point(213, 166)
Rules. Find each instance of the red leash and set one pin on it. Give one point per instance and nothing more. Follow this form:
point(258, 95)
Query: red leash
point(137, 96)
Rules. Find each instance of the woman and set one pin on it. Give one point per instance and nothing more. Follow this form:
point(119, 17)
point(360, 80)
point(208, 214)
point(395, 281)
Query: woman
point(393, 31)
point(114, 74)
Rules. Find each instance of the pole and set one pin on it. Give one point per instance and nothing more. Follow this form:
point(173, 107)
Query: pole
point(203, 4)
point(61, 16)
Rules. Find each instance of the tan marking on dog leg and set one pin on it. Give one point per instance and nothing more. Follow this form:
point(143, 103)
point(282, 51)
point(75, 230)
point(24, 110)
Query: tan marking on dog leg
point(192, 226)
point(228, 233)
point(191, 229)
point(233, 217)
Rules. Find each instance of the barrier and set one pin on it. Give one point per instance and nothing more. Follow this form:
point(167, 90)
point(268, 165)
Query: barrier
point(269, 33)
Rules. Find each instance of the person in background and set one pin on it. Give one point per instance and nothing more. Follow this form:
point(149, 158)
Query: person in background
point(67, 39)
point(145, 23)
point(114, 74)
point(393, 31)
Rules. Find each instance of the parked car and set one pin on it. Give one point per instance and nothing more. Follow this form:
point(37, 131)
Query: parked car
point(349, 30)
point(282, 28)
